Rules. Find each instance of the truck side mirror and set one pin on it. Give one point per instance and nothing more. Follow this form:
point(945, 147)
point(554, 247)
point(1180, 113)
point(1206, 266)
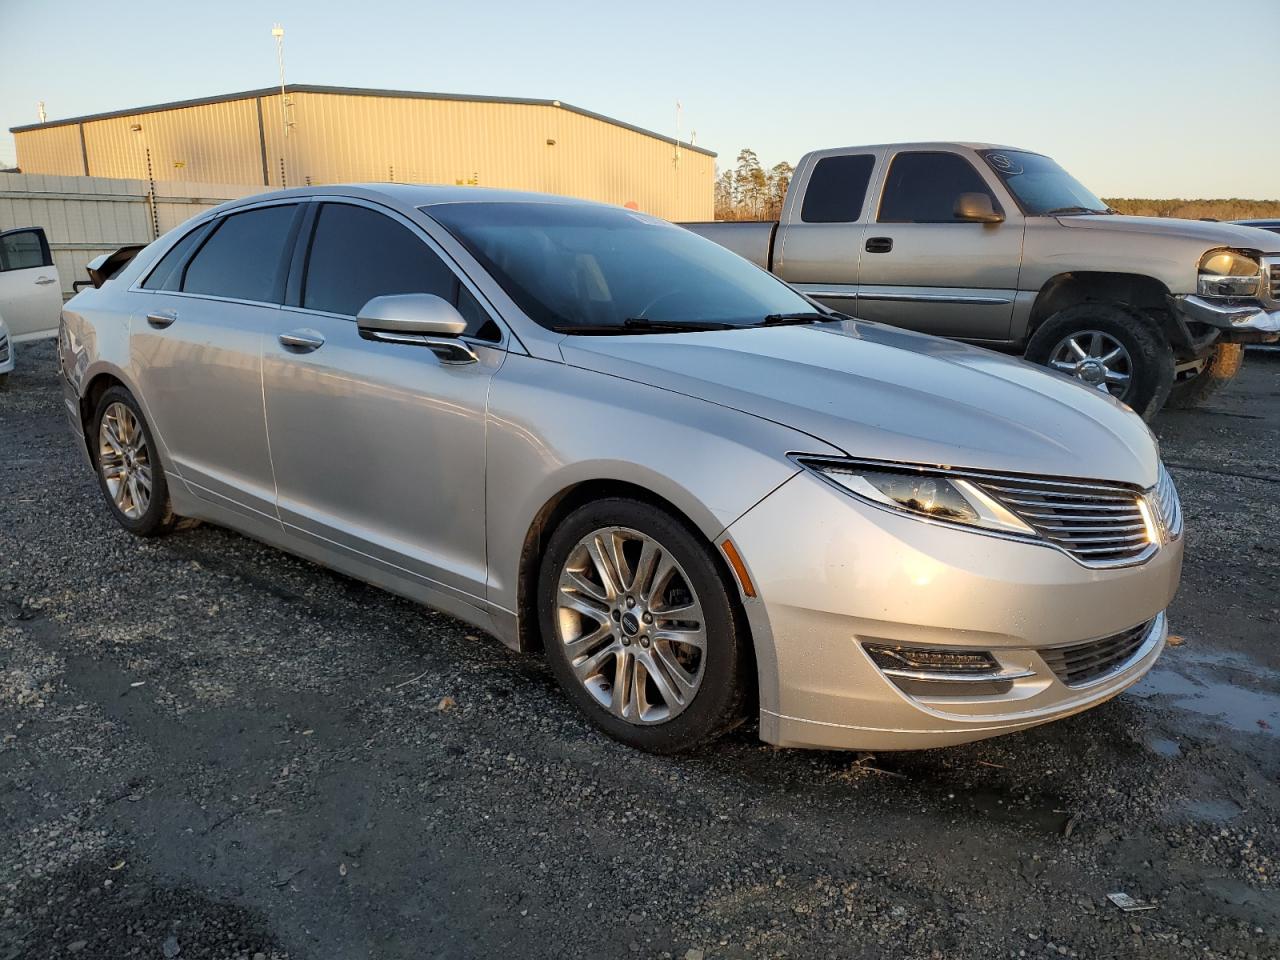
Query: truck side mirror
point(977, 208)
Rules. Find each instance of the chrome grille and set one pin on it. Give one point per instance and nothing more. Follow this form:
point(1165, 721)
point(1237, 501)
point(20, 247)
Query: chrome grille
point(4, 348)
point(1082, 663)
point(1098, 524)
point(1275, 282)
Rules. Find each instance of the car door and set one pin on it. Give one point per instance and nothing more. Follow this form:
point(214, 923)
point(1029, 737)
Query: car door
point(925, 269)
point(379, 448)
point(30, 290)
point(196, 345)
point(818, 249)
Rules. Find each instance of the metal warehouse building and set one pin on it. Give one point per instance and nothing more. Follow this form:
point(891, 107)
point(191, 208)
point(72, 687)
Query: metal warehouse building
point(341, 135)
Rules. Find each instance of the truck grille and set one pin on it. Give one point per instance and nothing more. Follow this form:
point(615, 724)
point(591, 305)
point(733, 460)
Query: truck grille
point(1098, 524)
point(1082, 663)
point(4, 348)
point(1275, 282)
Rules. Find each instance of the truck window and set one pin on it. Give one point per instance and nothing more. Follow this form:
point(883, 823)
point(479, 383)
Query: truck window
point(837, 188)
point(923, 188)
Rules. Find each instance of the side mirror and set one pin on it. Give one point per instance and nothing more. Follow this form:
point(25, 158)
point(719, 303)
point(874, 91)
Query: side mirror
point(418, 319)
point(977, 208)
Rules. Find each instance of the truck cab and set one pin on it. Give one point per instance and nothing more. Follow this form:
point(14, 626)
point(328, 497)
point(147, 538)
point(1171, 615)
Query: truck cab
point(1001, 247)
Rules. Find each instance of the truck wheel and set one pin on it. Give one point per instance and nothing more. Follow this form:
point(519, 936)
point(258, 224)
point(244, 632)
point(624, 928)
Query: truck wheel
point(1217, 370)
point(1111, 348)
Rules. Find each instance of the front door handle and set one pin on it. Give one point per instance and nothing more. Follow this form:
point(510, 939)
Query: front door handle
point(302, 341)
point(44, 280)
point(162, 318)
point(879, 244)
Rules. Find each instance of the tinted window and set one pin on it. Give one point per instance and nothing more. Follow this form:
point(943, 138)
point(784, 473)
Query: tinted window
point(924, 187)
point(168, 272)
point(837, 187)
point(1041, 186)
point(579, 265)
point(358, 254)
point(21, 251)
point(244, 257)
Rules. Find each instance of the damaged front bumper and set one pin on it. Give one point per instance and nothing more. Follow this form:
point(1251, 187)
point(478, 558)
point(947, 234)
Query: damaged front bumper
point(1247, 321)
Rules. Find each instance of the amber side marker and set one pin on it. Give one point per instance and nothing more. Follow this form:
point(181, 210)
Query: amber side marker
point(740, 568)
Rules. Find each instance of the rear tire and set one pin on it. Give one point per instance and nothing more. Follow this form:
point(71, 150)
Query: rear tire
point(128, 465)
point(610, 572)
point(1150, 364)
point(1219, 369)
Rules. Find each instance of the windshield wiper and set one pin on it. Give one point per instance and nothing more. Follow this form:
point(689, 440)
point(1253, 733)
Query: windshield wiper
point(1067, 211)
point(642, 325)
point(788, 319)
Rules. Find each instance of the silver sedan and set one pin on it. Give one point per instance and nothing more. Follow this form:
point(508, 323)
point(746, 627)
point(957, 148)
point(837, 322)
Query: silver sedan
point(589, 432)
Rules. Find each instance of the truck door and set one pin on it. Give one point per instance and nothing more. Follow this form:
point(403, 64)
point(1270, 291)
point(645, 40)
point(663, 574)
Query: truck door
point(925, 268)
point(818, 248)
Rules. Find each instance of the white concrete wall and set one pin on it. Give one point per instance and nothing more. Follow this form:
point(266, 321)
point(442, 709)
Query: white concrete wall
point(87, 216)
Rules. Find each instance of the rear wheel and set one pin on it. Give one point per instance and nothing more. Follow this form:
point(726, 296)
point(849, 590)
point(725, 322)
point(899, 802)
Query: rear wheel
point(640, 627)
point(1206, 377)
point(129, 470)
point(1110, 348)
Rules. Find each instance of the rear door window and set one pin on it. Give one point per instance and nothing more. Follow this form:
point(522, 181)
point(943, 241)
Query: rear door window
point(837, 189)
point(923, 188)
point(23, 249)
point(245, 257)
point(358, 254)
point(167, 274)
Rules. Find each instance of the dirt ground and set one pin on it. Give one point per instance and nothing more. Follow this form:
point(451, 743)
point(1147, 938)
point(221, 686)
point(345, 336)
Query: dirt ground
point(211, 749)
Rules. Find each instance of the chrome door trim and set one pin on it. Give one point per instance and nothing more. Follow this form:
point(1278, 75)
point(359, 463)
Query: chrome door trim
point(832, 291)
point(871, 293)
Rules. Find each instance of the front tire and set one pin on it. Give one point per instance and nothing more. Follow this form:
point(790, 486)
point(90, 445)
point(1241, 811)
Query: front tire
point(1220, 367)
point(127, 461)
point(1111, 348)
point(640, 626)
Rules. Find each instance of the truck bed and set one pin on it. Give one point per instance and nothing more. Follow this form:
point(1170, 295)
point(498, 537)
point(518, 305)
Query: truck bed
point(752, 239)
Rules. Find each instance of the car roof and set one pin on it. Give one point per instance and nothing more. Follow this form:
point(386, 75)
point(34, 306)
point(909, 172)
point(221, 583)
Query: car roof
point(406, 195)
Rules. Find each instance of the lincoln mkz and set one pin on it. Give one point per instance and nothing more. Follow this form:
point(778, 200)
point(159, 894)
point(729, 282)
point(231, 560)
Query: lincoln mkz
point(703, 496)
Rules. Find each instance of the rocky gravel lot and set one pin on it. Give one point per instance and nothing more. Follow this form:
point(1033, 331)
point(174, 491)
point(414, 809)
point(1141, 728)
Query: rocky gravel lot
point(211, 749)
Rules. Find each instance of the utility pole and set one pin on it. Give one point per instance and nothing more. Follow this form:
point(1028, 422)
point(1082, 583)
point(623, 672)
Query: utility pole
point(277, 31)
point(40, 112)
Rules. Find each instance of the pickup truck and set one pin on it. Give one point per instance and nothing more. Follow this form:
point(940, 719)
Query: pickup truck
point(1002, 247)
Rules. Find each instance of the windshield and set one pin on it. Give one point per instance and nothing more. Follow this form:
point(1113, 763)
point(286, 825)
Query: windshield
point(1041, 186)
point(578, 268)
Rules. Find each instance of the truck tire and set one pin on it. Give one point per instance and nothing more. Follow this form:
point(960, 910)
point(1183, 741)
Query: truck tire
point(1108, 346)
point(1222, 364)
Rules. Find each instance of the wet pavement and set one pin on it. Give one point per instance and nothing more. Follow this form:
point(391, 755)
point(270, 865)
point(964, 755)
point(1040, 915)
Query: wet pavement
point(211, 749)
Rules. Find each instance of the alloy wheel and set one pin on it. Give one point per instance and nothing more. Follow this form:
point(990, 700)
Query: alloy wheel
point(1095, 358)
point(125, 460)
point(631, 624)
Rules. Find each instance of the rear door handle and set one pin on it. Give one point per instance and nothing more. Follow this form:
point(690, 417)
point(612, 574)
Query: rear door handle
point(43, 280)
point(302, 341)
point(879, 244)
point(162, 318)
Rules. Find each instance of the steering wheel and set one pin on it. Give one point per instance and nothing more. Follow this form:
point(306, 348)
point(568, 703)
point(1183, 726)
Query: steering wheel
point(657, 300)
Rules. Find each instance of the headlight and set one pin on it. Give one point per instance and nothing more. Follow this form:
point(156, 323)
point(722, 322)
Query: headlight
point(950, 499)
point(1228, 273)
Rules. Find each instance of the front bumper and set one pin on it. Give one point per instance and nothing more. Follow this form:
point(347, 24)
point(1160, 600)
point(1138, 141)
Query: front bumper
point(1240, 322)
point(833, 574)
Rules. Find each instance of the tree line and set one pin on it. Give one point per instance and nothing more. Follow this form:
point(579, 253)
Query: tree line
point(748, 191)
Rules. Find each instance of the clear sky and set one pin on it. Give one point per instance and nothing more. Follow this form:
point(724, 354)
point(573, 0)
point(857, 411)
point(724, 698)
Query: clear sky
point(1141, 98)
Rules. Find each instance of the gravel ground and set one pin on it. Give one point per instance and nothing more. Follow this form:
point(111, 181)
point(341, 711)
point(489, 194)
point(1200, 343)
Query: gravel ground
point(212, 749)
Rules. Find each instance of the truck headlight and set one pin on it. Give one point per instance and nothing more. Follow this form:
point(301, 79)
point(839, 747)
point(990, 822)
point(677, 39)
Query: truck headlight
point(1229, 273)
point(926, 495)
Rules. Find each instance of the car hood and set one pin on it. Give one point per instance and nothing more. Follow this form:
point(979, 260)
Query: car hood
point(883, 393)
point(1211, 234)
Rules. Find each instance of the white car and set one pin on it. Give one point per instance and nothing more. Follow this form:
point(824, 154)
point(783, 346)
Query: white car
point(30, 289)
point(6, 354)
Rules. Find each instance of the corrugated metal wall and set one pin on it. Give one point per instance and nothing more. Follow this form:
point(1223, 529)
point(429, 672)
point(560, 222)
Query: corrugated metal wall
point(347, 137)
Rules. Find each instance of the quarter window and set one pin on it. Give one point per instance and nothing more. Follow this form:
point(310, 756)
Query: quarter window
point(924, 187)
point(837, 188)
point(168, 272)
point(244, 258)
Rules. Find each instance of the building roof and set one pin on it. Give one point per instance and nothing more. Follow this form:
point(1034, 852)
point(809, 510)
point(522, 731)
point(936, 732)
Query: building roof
point(355, 92)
